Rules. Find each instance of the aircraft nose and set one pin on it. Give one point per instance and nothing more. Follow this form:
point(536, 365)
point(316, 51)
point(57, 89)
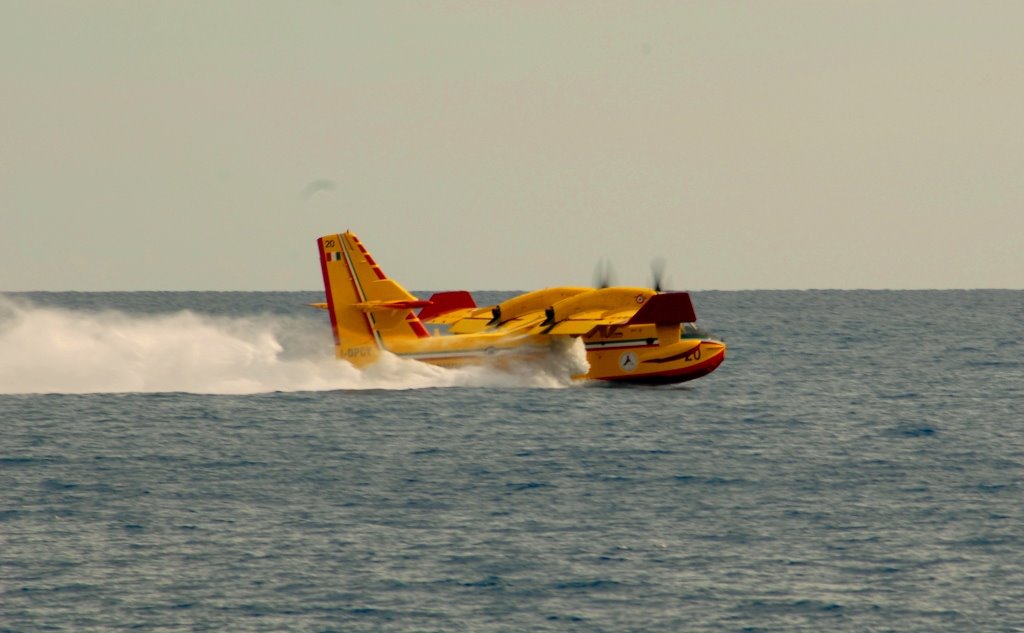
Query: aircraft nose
point(713, 349)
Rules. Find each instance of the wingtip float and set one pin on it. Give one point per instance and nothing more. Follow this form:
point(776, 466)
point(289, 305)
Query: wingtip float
point(632, 335)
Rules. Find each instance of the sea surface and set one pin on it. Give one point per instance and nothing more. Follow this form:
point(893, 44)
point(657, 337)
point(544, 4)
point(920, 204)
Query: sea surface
point(179, 461)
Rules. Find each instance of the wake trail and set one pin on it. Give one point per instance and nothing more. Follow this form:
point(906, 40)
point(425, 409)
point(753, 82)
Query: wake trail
point(58, 350)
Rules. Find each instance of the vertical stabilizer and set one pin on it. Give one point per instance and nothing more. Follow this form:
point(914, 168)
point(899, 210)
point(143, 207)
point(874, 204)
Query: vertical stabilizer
point(367, 308)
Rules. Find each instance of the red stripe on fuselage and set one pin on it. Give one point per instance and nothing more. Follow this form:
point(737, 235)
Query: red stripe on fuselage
point(680, 356)
point(598, 347)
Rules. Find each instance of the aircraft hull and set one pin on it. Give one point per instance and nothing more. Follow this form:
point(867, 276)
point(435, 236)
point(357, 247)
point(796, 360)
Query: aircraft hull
point(657, 371)
point(609, 359)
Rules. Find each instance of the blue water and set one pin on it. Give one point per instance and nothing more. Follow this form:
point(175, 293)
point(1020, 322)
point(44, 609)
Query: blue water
point(199, 462)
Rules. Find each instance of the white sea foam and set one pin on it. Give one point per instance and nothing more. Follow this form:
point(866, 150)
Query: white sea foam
point(55, 350)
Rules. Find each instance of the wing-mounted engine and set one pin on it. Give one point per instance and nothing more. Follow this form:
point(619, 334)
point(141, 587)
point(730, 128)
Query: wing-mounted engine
point(532, 304)
point(580, 313)
point(524, 310)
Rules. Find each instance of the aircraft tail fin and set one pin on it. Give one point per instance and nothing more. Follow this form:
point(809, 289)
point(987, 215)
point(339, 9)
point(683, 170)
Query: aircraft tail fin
point(367, 308)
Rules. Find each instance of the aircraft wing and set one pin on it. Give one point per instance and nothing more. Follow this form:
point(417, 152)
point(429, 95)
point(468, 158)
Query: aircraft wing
point(583, 322)
point(578, 314)
point(463, 321)
point(478, 323)
point(664, 308)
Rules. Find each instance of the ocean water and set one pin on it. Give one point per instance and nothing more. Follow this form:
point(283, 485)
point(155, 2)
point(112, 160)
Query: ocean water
point(200, 462)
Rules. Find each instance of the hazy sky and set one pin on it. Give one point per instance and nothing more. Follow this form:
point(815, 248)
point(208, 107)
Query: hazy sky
point(511, 145)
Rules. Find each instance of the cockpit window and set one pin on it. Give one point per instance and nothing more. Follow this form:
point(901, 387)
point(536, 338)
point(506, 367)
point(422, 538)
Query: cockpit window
point(692, 330)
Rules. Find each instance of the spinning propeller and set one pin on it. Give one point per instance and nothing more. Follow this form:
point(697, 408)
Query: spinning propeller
point(658, 273)
point(604, 275)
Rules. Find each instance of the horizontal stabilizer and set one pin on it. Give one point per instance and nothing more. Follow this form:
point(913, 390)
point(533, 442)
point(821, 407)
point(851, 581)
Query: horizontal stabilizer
point(665, 308)
point(445, 302)
point(321, 305)
point(401, 304)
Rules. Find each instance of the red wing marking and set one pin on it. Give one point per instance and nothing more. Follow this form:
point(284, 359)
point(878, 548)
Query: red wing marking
point(445, 302)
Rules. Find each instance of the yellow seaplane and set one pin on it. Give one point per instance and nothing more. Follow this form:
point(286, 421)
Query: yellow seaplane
point(631, 335)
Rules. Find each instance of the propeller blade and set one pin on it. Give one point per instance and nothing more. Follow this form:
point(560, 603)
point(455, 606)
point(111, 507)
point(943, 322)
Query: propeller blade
point(604, 276)
point(658, 274)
